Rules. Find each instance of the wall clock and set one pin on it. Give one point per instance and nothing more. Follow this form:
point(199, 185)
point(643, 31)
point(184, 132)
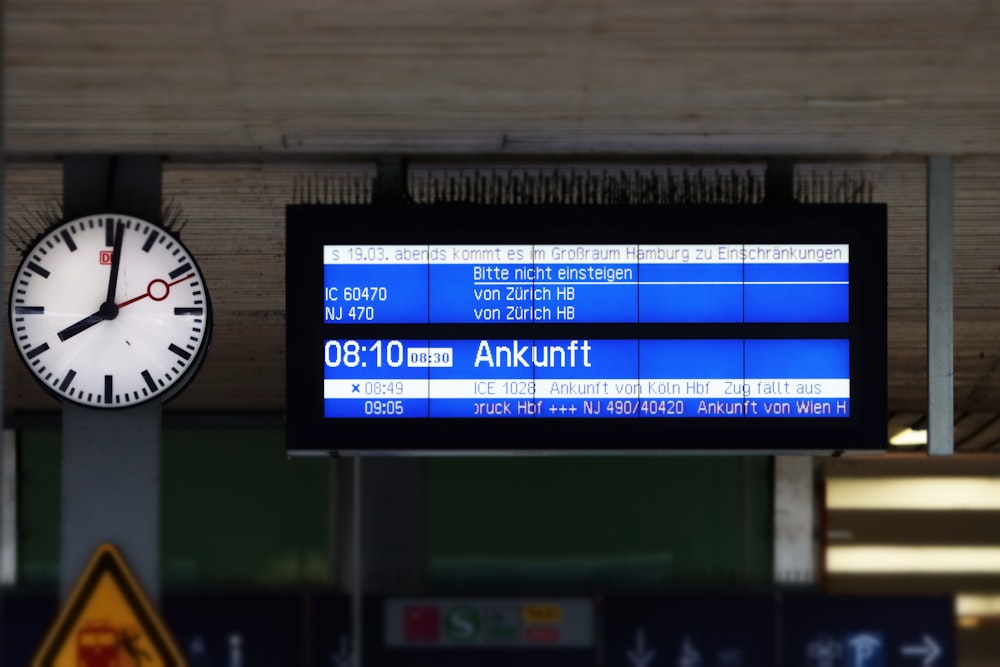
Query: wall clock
point(110, 311)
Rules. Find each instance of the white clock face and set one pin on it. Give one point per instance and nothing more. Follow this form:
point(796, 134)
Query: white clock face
point(110, 311)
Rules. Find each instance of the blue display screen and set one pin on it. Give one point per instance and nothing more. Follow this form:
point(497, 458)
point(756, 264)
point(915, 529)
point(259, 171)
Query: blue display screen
point(683, 283)
point(517, 328)
point(553, 379)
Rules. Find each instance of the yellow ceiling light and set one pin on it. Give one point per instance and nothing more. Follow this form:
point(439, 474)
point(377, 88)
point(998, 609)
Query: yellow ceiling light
point(970, 604)
point(909, 437)
point(913, 560)
point(913, 493)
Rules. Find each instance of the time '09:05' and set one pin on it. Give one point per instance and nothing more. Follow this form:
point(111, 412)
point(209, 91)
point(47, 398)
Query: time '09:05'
point(383, 408)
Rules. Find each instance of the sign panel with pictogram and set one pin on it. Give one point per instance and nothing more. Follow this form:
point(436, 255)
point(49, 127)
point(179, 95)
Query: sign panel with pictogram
point(489, 622)
point(107, 621)
point(481, 631)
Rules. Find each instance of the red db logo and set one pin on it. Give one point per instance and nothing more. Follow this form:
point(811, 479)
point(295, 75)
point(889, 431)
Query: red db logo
point(106, 256)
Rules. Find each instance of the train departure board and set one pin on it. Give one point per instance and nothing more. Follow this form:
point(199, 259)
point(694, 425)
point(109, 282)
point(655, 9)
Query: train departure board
point(603, 329)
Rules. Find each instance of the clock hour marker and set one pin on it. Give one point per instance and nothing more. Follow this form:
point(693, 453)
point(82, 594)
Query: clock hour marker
point(109, 232)
point(181, 270)
point(149, 380)
point(180, 352)
point(34, 352)
point(67, 380)
point(189, 311)
point(29, 310)
point(37, 269)
point(68, 240)
point(108, 392)
point(153, 235)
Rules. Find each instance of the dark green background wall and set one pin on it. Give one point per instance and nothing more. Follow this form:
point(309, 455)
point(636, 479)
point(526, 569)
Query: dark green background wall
point(237, 511)
point(607, 522)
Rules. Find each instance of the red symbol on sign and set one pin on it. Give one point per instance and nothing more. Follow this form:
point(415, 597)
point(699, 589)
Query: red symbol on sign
point(421, 623)
point(100, 644)
point(106, 256)
point(541, 634)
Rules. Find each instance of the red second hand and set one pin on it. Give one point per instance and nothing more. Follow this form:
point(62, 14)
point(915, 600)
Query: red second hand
point(149, 290)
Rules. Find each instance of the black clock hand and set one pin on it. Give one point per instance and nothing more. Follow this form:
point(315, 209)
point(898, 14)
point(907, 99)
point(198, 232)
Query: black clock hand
point(116, 257)
point(82, 325)
point(108, 309)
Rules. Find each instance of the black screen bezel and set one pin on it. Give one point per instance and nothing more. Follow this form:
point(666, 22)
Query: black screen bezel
point(309, 227)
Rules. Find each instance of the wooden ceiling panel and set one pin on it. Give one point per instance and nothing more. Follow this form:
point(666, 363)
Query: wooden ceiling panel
point(880, 77)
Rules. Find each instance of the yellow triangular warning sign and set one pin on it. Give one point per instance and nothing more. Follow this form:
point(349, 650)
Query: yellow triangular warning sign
point(108, 621)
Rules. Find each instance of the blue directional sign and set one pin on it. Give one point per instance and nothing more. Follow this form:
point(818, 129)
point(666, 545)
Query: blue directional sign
point(863, 631)
point(754, 328)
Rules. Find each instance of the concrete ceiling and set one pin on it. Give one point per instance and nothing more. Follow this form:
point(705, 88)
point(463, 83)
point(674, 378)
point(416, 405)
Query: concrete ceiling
point(247, 98)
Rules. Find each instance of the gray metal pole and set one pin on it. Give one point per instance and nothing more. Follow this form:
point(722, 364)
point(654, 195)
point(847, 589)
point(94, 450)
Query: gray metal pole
point(794, 519)
point(8, 507)
point(111, 491)
point(940, 308)
point(357, 599)
point(3, 406)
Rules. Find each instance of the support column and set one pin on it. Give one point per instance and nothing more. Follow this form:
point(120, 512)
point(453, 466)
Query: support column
point(940, 311)
point(125, 184)
point(390, 181)
point(779, 181)
point(8, 507)
point(111, 490)
point(111, 458)
point(794, 521)
point(393, 500)
point(347, 478)
point(4, 463)
point(380, 524)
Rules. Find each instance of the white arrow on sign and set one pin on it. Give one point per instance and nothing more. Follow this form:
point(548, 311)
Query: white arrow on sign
point(235, 650)
point(928, 650)
point(343, 657)
point(640, 656)
point(689, 656)
point(197, 646)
